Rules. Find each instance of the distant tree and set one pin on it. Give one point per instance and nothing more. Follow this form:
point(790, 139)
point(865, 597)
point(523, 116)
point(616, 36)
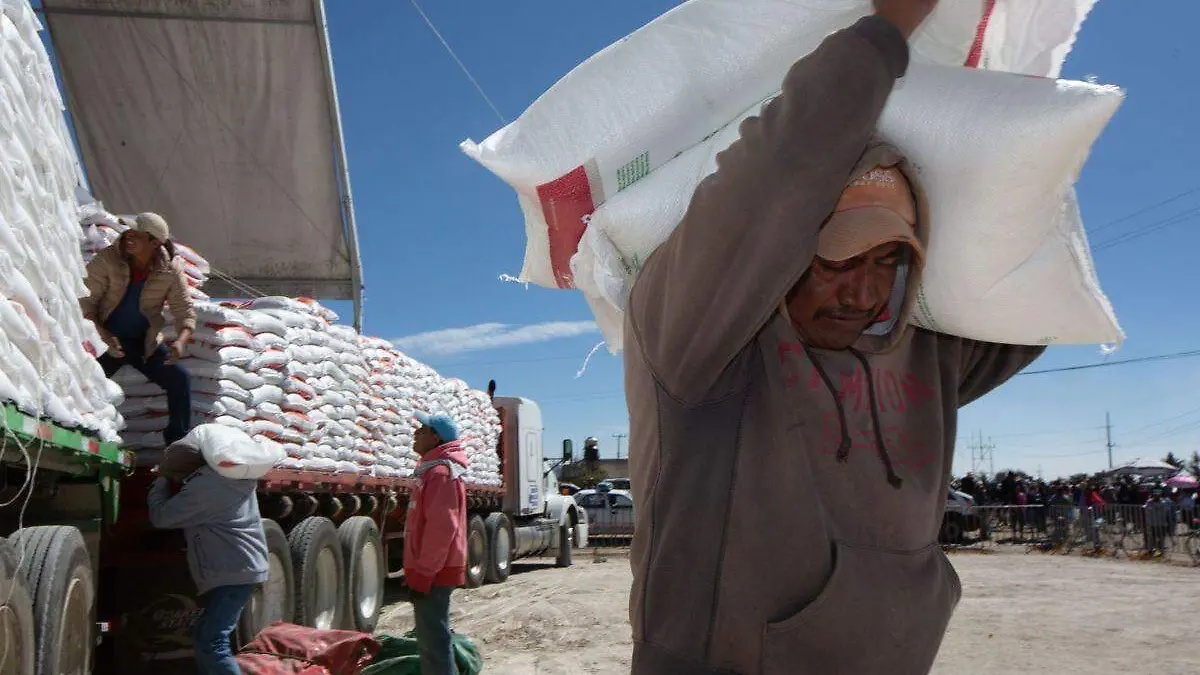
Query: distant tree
point(1174, 461)
point(1195, 468)
point(590, 477)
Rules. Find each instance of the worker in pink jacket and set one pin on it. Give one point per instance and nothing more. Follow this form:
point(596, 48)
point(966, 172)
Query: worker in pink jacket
point(435, 538)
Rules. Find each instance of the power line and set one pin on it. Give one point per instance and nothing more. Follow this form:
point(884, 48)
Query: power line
point(1149, 228)
point(1146, 209)
point(1044, 433)
point(1121, 362)
point(461, 65)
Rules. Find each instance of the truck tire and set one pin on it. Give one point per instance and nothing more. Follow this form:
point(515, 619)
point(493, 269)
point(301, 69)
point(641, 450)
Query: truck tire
point(362, 550)
point(500, 546)
point(565, 539)
point(274, 600)
point(17, 642)
point(318, 570)
point(58, 574)
point(952, 530)
point(477, 553)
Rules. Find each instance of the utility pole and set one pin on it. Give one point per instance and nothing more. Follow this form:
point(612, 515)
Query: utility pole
point(1108, 435)
point(982, 453)
point(620, 437)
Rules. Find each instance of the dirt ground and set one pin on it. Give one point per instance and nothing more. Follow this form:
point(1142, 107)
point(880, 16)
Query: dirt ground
point(1019, 613)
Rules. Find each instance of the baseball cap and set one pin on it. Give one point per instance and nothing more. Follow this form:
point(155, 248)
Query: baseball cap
point(152, 224)
point(876, 208)
point(445, 427)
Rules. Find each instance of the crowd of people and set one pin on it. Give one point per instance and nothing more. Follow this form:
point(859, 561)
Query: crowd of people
point(1158, 510)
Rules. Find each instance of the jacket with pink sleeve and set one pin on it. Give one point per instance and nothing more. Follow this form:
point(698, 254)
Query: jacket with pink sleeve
point(435, 531)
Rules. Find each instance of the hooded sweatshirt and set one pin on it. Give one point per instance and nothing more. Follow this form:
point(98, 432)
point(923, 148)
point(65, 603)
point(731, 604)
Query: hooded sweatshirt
point(435, 530)
point(789, 498)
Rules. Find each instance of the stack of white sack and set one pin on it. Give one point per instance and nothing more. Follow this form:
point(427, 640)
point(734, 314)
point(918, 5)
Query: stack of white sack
point(390, 394)
point(47, 350)
point(321, 384)
point(478, 423)
point(234, 364)
point(605, 163)
point(481, 436)
point(101, 229)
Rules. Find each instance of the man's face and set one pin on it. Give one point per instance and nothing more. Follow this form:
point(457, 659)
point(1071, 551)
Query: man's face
point(424, 440)
point(836, 301)
point(136, 243)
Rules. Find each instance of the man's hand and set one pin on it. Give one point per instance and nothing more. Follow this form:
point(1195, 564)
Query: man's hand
point(906, 15)
point(179, 346)
point(116, 351)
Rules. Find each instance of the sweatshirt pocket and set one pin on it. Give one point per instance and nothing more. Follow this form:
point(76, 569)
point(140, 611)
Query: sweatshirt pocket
point(881, 611)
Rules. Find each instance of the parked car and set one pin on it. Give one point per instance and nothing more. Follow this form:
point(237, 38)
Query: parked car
point(610, 512)
point(961, 516)
point(614, 484)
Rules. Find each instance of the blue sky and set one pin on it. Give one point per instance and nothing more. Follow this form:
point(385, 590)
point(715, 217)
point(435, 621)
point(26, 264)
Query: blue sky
point(437, 230)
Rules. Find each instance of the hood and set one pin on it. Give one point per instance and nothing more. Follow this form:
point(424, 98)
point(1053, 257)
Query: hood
point(451, 454)
point(883, 336)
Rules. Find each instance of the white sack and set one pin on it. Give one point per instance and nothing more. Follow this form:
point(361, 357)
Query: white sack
point(634, 106)
point(1008, 259)
point(233, 453)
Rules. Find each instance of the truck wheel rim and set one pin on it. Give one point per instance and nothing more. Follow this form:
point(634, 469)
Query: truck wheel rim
point(477, 554)
point(503, 549)
point(10, 642)
point(327, 589)
point(274, 593)
point(75, 624)
point(369, 586)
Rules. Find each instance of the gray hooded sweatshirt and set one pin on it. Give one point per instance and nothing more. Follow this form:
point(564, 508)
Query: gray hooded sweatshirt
point(789, 498)
point(219, 517)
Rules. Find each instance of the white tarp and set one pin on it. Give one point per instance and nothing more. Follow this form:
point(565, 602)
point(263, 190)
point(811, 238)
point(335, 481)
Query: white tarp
point(221, 116)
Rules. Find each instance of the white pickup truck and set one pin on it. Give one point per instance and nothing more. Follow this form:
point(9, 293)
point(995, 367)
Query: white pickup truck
point(961, 516)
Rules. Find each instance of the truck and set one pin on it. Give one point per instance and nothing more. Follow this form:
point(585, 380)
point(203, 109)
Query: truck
point(91, 565)
point(86, 584)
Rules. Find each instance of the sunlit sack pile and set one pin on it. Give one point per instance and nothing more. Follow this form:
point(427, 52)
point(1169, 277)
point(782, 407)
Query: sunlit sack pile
point(47, 349)
point(284, 372)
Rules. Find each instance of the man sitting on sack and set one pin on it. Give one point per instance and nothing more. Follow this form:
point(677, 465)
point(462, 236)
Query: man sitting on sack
point(791, 433)
point(129, 283)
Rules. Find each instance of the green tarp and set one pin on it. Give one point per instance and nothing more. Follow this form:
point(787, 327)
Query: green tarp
point(400, 656)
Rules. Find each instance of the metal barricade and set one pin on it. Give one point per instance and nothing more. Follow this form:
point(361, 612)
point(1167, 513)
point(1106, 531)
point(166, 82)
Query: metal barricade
point(1158, 530)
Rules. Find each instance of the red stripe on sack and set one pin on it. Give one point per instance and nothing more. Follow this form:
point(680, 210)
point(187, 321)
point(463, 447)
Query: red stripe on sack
point(566, 202)
point(980, 31)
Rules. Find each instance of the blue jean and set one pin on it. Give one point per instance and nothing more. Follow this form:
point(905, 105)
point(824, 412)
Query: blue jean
point(432, 614)
point(171, 377)
point(222, 609)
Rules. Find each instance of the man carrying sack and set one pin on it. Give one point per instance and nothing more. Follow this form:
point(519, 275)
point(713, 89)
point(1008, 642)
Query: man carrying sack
point(791, 433)
point(226, 547)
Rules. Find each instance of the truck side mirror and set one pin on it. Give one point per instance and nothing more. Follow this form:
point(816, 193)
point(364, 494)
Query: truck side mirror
point(568, 451)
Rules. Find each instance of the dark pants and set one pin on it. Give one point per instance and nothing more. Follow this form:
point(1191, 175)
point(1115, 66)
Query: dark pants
point(432, 614)
point(171, 377)
point(222, 609)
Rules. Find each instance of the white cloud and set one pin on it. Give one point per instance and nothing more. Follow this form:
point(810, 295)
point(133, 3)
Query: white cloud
point(490, 336)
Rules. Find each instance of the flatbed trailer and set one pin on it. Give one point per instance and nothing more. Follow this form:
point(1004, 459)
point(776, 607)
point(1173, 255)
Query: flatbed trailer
point(333, 539)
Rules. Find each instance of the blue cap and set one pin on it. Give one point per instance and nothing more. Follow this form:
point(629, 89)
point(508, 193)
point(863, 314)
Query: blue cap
point(445, 427)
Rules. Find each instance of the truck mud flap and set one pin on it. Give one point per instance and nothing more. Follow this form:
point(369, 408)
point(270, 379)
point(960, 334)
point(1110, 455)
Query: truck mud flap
point(154, 607)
